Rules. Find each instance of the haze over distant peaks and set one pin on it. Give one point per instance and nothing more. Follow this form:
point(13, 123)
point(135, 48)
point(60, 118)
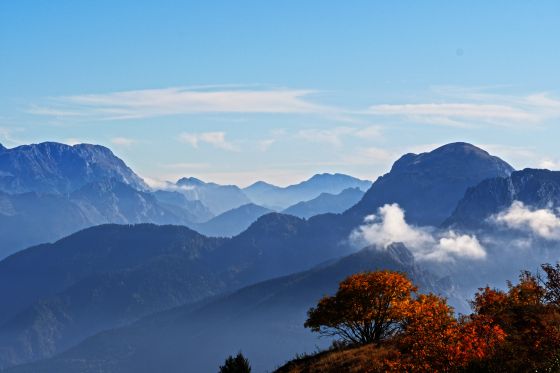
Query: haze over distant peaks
point(280, 198)
point(218, 198)
point(325, 203)
point(232, 222)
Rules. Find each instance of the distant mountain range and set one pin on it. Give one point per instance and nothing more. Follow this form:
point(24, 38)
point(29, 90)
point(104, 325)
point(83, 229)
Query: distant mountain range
point(279, 198)
point(247, 292)
point(326, 203)
point(50, 190)
point(31, 218)
point(232, 222)
point(218, 198)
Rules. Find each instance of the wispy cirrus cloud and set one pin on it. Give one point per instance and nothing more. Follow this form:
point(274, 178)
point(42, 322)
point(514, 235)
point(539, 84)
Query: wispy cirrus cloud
point(444, 106)
point(123, 141)
point(334, 136)
point(215, 139)
point(454, 114)
point(177, 100)
point(8, 136)
point(467, 106)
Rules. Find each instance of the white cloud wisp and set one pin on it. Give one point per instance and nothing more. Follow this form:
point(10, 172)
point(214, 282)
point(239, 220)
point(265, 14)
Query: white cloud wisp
point(176, 100)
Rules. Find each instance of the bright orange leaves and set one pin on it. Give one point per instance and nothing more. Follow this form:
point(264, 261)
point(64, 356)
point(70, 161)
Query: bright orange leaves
point(368, 307)
point(517, 330)
point(530, 316)
point(435, 341)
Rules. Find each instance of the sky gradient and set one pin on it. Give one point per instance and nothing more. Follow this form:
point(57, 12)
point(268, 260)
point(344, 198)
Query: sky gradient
point(241, 91)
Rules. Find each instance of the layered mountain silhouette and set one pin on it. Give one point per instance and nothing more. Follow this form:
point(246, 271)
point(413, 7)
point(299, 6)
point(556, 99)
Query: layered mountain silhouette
point(194, 210)
point(232, 222)
point(50, 190)
point(325, 203)
point(96, 279)
point(279, 198)
point(264, 320)
point(108, 276)
point(218, 198)
point(31, 218)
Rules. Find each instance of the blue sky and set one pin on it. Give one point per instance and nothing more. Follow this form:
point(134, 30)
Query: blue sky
point(237, 91)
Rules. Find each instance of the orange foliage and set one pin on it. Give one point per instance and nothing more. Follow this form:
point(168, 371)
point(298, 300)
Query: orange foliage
point(517, 330)
point(368, 307)
point(437, 342)
point(532, 325)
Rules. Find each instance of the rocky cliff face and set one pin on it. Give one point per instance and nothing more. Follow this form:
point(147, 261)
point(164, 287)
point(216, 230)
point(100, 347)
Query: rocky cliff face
point(536, 188)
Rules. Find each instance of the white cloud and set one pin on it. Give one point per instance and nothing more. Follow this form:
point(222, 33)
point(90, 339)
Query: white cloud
point(177, 100)
point(156, 183)
point(465, 106)
point(455, 245)
point(541, 222)
point(453, 113)
point(216, 139)
point(74, 141)
point(371, 132)
point(123, 141)
point(369, 156)
point(265, 144)
point(7, 136)
point(390, 226)
point(186, 165)
point(335, 136)
point(549, 164)
point(328, 136)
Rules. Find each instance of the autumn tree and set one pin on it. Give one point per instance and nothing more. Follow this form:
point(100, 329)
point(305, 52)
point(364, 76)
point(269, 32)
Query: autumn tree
point(529, 314)
point(433, 340)
point(368, 307)
point(551, 283)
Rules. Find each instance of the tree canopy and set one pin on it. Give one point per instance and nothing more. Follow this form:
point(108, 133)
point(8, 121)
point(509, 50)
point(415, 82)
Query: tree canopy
point(236, 364)
point(512, 330)
point(368, 307)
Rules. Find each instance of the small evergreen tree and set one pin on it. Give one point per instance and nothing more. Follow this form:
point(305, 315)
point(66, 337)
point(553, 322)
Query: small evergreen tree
point(237, 364)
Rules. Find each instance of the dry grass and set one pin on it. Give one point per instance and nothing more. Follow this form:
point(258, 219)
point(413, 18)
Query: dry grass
point(367, 358)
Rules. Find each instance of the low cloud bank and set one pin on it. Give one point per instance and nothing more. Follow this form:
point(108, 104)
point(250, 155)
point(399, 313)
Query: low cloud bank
point(389, 225)
point(543, 223)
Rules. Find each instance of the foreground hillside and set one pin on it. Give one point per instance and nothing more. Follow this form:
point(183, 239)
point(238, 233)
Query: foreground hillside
point(356, 359)
point(381, 325)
